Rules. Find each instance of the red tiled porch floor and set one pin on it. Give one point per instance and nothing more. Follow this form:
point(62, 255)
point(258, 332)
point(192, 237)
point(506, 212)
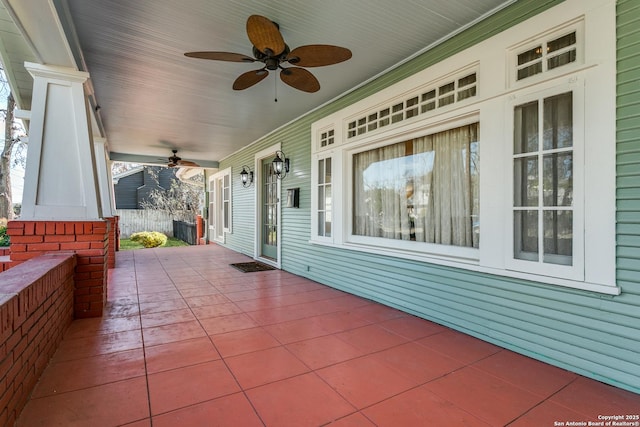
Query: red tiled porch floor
point(190, 341)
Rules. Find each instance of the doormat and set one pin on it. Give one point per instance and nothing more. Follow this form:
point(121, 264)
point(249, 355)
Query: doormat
point(250, 267)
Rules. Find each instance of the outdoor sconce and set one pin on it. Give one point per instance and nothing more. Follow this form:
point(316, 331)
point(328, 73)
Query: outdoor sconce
point(280, 165)
point(246, 176)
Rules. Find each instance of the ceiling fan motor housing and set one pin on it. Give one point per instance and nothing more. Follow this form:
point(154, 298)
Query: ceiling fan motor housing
point(272, 62)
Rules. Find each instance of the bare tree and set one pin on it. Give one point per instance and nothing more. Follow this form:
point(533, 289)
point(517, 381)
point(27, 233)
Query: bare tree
point(120, 167)
point(182, 200)
point(12, 153)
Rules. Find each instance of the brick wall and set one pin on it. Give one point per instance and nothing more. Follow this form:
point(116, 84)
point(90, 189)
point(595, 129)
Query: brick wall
point(114, 240)
point(36, 307)
point(88, 239)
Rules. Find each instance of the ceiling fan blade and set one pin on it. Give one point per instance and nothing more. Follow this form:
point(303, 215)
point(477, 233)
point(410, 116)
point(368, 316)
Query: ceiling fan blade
point(300, 79)
point(265, 35)
point(318, 55)
point(220, 56)
point(248, 79)
point(187, 163)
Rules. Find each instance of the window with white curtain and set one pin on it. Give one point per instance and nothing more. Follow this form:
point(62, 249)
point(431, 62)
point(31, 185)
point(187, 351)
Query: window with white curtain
point(541, 97)
point(424, 190)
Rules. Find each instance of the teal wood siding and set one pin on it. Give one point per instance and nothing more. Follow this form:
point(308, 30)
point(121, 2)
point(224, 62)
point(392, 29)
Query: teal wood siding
point(592, 334)
point(628, 146)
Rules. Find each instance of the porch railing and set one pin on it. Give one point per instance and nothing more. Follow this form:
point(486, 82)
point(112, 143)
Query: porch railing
point(185, 231)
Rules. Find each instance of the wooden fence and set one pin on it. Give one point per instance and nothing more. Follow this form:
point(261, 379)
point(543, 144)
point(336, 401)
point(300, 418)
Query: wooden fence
point(135, 220)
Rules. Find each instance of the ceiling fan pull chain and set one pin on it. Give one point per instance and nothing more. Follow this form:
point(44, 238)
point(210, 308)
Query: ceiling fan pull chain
point(275, 86)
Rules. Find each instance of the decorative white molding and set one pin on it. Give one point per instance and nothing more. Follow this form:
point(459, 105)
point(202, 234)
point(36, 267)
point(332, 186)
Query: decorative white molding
point(61, 182)
point(105, 180)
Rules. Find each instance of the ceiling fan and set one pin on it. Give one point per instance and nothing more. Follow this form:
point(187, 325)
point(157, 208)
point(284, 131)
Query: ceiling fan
point(269, 48)
point(174, 161)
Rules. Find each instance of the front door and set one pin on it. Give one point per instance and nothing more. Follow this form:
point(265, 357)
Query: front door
point(269, 215)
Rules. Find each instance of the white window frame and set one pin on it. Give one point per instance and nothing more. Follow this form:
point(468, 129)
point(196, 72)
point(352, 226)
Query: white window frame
point(576, 270)
point(427, 249)
point(576, 26)
point(315, 178)
point(216, 201)
point(591, 78)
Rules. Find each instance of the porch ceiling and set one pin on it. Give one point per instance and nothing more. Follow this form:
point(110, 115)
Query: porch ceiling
point(152, 98)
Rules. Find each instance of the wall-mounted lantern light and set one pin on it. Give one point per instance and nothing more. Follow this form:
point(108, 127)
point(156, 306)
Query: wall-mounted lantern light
point(280, 164)
point(246, 176)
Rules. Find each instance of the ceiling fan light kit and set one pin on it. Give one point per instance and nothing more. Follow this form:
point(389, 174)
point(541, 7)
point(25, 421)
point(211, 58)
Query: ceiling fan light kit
point(270, 49)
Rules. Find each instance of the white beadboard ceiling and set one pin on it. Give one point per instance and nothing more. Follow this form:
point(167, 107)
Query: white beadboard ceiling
point(153, 99)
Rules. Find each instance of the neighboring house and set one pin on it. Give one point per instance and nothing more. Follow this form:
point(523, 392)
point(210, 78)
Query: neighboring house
point(474, 185)
point(134, 186)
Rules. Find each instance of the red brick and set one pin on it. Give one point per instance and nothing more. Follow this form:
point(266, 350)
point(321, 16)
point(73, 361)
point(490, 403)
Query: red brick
point(40, 228)
point(89, 267)
point(43, 247)
point(88, 283)
point(60, 228)
point(89, 298)
point(15, 232)
point(12, 225)
point(50, 227)
point(18, 247)
point(19, 349)
point(81, 277)
point(29, 227)
point(89, 238)
point(18, 396)
point(24, 256)
point(69, 228)
point(4, 402)
point(93, 252)
point(14, 339)
point(26, 239)
point(74, 246)
point(59, 238)
point(5, 365)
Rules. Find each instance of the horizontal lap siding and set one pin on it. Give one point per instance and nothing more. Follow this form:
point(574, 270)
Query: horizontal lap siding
point(628, 147)
point(592, 334)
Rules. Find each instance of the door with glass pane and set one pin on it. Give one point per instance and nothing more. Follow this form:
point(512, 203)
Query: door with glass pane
point(269, 215)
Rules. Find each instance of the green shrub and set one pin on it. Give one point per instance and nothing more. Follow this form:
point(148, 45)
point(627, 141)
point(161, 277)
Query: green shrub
point(149, 239)
point(4, 239)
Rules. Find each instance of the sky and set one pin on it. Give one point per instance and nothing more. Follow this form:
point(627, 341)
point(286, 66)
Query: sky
point(17, 171)
point(17, 183)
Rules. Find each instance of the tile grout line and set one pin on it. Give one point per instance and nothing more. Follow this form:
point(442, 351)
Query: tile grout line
point(222, 358)
point(144, 347)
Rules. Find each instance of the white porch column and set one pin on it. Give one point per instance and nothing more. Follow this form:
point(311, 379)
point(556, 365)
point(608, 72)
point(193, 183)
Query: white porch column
point(105, 182)
point(60, 178)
